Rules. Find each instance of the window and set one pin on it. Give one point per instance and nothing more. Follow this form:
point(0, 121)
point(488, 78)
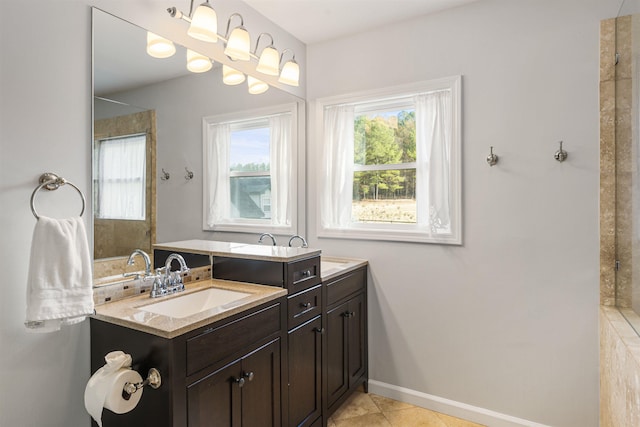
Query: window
point(120, 165)
point(391, 164)
point(250, 169)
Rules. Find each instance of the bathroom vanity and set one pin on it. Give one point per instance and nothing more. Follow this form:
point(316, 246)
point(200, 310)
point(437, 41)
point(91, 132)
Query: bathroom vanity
point(287, 353)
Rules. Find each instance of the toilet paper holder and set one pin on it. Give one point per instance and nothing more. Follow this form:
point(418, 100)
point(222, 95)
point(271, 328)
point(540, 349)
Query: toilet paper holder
point(153, 380)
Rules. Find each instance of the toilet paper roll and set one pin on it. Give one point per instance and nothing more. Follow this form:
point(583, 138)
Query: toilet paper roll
point(104, 390)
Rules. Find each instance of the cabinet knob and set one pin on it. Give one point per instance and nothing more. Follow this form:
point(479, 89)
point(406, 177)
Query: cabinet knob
point(239, 381)
point(319, 330)
point(305, 304)
point(248, 376)
point(348, 314)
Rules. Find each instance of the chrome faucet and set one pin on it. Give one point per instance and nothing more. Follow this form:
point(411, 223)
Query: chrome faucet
point(304, 242)
point(147, 263)
point(263, 235)
point(170, 282)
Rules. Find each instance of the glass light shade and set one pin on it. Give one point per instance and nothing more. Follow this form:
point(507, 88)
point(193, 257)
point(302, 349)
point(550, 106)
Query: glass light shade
point(269, 62)
point(290, 73)
point(204, 24)
point(231, 76)
point(238, 44)
point(197, 63)
point(256, 86)
point(159, 47)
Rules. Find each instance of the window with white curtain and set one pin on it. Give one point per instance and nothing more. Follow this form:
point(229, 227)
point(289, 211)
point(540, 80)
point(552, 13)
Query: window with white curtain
point(390, 163)
point(249, 163)
point(120, 184)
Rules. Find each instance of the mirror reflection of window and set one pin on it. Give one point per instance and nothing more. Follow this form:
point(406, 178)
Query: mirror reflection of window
point(120, 177)
point(249, 168)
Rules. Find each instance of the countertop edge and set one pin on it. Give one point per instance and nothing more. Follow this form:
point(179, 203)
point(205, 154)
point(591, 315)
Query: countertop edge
point(118, 311)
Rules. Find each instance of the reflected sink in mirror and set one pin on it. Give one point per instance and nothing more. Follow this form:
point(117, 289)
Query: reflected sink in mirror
point(212, 299)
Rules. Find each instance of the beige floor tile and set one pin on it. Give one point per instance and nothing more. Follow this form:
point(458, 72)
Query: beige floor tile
point(357, 405)
point(456, 422)
point(331, 423)
point(368, 420)
point(385, 404)
point(414, 417)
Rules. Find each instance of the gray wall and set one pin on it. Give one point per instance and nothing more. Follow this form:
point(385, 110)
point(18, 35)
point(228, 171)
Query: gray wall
point(507, 321)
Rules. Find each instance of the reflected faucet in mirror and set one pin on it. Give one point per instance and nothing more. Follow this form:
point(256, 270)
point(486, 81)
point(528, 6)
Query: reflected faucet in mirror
point(302, 239)
point(147, 263)
point(263, 235)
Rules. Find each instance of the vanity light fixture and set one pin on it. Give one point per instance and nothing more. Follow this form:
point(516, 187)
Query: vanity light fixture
point(256, 87)
point(237, 45)
point(159, 47)
point(269, 62)
point(198, 63)
point(231, 76)
point(290, 74)
point(204, 23)
point(238, 42)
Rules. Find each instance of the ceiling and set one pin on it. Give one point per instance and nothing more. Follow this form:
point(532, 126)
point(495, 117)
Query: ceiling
point(313, 21)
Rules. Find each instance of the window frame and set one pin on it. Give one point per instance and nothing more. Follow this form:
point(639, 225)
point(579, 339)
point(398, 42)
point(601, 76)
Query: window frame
point(248, 225)
point(400, 232)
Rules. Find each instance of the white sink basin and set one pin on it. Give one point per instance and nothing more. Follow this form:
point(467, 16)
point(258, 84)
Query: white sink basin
point(215, 299)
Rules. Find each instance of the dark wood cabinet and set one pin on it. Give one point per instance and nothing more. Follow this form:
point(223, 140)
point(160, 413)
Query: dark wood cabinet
point(290, 362)
point(245, 392)
point(228, 373)
point(305, 368)
point(345, 354)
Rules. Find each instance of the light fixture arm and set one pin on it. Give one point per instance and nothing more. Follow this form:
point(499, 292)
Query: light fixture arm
point(293, 58)
point(255, 51)
point(226, 36)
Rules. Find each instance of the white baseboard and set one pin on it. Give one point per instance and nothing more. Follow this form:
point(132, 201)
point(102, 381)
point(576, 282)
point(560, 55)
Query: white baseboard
point(449, 407)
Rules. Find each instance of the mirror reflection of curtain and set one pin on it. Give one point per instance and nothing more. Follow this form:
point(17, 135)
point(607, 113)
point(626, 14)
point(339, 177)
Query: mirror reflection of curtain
point(120, 177)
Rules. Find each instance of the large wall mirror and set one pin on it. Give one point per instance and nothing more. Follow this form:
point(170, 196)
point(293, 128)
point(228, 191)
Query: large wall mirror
point(148, 127)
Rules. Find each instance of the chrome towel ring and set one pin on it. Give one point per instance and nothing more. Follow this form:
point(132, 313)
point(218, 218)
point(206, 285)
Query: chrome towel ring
point(51, 182)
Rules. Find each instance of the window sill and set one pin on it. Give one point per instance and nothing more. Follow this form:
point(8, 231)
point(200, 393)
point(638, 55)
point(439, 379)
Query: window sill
point(252, 228)
point(411, 236)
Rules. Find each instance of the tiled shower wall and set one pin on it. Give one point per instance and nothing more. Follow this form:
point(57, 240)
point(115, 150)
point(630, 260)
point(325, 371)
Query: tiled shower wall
point(619, 343)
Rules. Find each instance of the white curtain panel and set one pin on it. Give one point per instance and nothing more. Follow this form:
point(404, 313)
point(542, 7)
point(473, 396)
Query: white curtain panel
point(337, 166)
point(121, 178)
point(216, 172)
point(280, 153)
point(433, 148)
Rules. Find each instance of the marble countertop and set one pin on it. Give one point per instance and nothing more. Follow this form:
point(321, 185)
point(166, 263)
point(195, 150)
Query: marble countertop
point(239, 250)
point(331, 267)
point(130, 313)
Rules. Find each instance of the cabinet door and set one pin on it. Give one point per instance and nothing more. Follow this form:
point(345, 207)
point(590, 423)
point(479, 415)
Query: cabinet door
point(215, 401)
point(337, 372)
point(356, 343)
point(261, 390)
point(305, 356)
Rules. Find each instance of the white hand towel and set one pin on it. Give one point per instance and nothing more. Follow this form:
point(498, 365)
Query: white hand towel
point(60, 286)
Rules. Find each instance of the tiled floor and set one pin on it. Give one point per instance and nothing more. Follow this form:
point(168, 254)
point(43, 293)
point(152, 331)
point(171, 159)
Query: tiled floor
point(370, 410)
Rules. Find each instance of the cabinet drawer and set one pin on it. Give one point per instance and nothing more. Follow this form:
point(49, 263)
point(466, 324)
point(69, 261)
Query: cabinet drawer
point(220, 342)
point(346, 285)
point(303, 274)
point(304, 306)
